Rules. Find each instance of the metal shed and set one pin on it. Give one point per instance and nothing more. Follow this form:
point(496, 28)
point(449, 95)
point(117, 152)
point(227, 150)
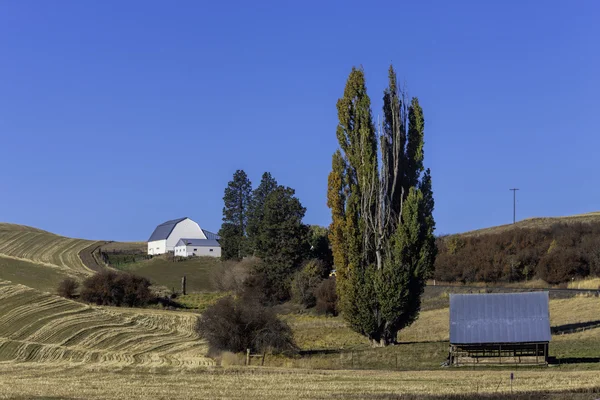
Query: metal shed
point(499, 328)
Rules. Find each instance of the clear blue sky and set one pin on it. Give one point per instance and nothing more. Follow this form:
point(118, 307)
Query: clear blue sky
point(118, 115)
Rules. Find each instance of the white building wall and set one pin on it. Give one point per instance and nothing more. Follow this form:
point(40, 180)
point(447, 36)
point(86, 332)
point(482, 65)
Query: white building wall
point(185, 229)
point(157, 247)
point(200, 251)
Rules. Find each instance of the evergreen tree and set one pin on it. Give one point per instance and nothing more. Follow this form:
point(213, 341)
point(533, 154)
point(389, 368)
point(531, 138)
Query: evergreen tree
point(382, 223)
point(282, 242)
point(256, 209)
point(235, 216)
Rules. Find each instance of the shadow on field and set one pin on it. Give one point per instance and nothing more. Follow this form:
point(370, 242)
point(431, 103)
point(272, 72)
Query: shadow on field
point(572, 328)
point(573, 360)
point(575, 395)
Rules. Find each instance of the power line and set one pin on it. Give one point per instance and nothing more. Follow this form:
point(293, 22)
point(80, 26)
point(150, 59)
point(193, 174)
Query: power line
point(514, 204)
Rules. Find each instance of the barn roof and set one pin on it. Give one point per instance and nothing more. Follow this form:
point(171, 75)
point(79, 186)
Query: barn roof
point(499, 318)
point(164, 230)
point(198, 242)
point(210, 235)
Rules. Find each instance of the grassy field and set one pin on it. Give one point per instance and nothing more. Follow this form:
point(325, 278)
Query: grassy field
point(39, 327)
point(163, 271)
point(34, 275)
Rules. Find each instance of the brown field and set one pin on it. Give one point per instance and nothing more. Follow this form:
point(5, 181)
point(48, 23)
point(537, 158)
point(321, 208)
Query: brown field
point(69, 381)
point(538, 222)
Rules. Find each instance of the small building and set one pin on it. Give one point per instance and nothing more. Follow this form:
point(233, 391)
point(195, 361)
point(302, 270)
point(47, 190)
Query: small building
point(197, 247)
point(499, 328)
point(166, 235)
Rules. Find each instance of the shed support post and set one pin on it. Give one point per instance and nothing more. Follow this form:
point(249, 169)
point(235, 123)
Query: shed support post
point(536, 354)
point(500, 353)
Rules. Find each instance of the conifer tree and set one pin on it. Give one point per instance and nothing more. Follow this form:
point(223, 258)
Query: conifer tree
point(382, 223)
point(256, 210)
point(235, 216)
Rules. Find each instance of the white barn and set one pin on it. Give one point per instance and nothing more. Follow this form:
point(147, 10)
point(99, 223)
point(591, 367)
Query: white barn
point(197, 247)
point(166, 235)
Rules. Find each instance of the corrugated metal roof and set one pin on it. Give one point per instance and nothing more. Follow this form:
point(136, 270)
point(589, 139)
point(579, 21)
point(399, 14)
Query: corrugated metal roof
point(211, 235)
point(164, 230)
point(499, 318)
point(198, 242)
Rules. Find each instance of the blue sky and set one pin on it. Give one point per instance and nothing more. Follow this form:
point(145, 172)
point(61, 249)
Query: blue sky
point(118, 115)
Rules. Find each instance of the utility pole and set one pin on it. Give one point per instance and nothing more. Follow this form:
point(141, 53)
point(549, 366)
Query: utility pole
point(514, 204)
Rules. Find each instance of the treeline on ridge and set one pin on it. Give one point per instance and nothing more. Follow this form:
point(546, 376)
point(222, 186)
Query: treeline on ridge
point(556, 255)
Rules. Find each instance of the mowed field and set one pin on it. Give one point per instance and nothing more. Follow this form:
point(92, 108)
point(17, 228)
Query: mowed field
point(59, 255)
point(37, 327)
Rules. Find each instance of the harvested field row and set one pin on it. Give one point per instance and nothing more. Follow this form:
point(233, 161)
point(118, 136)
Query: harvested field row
point(36, 326)
point(45, 248)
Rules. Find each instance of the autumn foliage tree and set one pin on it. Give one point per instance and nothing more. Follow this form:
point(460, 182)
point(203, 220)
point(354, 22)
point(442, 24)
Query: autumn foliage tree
point(382, 223)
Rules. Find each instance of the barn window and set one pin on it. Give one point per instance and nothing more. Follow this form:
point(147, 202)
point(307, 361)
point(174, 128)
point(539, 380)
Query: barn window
point(210, 250)
point(195, 249)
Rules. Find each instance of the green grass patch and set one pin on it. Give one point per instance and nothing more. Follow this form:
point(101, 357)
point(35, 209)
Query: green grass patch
point(40, 277)
point(163, 271)
point(200, 301)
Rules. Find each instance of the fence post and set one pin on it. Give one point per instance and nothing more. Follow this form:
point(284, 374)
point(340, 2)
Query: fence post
point(263, 359)
point(247, 356)
point(183, 285)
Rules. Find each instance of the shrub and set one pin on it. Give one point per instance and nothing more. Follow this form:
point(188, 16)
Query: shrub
point(67, 288)
point(117, 289)
point(326, 297)
point(306, 281)
point(239, 324)
point(231, 275)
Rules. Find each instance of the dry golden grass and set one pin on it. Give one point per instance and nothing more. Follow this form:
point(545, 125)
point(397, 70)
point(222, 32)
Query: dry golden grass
point(43, 248)
point(541, 222)
point(68, 381)
point(574, 310)
point(589, 283)
point(39, 327)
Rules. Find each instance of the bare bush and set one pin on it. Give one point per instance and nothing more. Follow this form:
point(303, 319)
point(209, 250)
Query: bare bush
point(239, 324)
point(117, 289)
point(326, 297)
point(67, 288)
point(230, 276)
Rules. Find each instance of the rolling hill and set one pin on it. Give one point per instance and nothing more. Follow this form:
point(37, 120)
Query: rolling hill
point(536, 223)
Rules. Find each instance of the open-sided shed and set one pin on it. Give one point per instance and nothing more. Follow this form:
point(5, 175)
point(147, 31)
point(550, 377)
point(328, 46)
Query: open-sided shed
point(499, 327)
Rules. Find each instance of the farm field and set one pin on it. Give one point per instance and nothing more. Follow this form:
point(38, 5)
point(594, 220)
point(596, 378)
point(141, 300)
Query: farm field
point(39, 327)
point(163, 271)
point(68, 381)
point(44, 248)
point(37, 276)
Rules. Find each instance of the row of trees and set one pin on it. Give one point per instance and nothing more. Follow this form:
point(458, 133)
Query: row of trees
point(382, 242)
point(266, 223)
point(555, 254)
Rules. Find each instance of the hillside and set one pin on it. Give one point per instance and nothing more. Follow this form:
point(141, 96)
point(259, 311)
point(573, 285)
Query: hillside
point(537, 223)
point(58, 253)
point(555, 250)
point(39, 327)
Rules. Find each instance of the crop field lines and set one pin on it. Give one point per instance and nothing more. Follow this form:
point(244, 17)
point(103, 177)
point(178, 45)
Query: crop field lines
point(45, 249)
point(39, 327)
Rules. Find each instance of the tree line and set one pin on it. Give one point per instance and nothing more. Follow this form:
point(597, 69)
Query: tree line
point(555, 254)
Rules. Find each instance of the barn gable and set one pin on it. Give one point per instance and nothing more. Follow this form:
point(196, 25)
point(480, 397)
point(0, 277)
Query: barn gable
point(499, 318)
point(163, 230)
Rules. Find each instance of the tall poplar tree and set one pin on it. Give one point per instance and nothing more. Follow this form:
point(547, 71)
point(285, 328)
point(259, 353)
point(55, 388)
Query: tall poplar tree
point(382, 223)
point(235, 216)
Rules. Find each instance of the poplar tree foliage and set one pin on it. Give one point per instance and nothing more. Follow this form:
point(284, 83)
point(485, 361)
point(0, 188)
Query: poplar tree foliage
point(382, 223)
point(256, 209)
point(235, 217)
